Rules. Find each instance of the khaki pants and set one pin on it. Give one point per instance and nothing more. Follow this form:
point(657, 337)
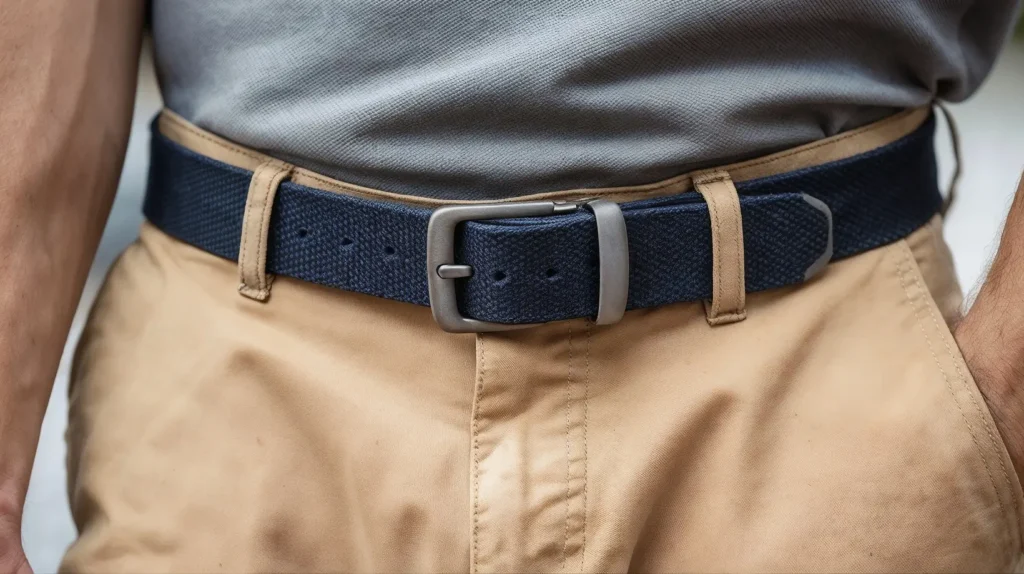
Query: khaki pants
point(836, 428)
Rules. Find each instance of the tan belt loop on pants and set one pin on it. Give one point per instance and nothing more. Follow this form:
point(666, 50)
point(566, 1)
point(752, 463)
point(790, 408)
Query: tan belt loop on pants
point(954, 137)
point(252, 253)
point(728, 302)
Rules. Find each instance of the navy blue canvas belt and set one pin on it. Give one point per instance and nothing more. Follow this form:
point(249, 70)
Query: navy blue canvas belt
point(538, 268)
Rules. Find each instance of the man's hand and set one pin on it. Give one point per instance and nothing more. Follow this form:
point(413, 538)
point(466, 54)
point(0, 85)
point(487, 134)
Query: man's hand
point(991, 336)
point(67, 84)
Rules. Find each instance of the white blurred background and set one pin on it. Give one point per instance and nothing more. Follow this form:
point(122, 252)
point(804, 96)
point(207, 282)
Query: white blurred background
point(992, 131)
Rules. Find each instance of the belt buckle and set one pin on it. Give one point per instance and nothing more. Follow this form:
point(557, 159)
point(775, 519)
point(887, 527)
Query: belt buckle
point(442, 269)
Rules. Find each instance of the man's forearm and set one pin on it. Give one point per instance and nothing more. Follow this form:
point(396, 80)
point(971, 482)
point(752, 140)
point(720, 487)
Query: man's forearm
point(67, 78)
point(991, 336)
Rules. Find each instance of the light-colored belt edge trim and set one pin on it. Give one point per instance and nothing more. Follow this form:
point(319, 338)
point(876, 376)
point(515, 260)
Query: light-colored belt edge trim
point(841, 146)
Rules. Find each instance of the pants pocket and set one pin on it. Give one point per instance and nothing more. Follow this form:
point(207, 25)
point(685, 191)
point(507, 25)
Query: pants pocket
point(926, 277)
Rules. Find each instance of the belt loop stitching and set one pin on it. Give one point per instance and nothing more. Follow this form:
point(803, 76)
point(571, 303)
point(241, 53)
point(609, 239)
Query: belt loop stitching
point(261, 240)
point(254, 281)
point(716, 283)
point(704, 183)
point(740, 279)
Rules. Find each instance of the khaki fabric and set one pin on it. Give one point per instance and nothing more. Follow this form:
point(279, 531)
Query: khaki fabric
point(837, 428)
point(728, 277)
point(253, 280)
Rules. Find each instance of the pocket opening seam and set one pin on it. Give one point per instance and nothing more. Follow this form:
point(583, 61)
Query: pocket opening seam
point(904, 268)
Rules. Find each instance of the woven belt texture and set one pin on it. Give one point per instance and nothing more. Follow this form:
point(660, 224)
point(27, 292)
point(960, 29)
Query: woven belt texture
point(543, 269)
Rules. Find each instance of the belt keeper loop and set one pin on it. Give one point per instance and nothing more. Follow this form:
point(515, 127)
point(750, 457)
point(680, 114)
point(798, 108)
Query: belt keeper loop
point(728, 301)
point(254, 281)
point(954, 140)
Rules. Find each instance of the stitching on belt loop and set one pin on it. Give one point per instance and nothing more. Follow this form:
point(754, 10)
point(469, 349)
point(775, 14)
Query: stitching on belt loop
point(728, 300)
point(254, 282)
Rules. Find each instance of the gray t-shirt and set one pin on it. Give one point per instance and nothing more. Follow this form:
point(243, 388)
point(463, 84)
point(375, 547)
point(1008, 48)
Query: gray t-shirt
point(498, 98)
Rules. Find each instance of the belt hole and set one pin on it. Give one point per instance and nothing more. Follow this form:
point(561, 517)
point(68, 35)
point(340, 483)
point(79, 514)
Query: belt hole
point(303, 232)
point(499, 276)
point(389, 250)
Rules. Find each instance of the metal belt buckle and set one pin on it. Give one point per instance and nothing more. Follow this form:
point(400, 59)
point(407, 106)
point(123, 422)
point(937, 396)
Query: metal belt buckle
point(442, 269)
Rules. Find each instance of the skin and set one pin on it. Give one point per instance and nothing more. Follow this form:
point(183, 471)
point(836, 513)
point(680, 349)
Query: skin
point(67, 83)
point(991, 336)
point(67, 88)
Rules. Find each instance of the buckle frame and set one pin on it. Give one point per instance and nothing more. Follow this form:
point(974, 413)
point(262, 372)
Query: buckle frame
point(442, 268)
